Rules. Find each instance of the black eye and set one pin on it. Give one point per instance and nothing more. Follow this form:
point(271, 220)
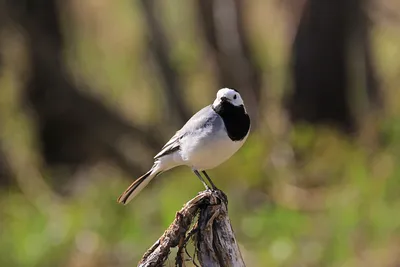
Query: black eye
point(235, 96)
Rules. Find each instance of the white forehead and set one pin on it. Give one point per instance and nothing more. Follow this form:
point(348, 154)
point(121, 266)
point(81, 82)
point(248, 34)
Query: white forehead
point(227, 92)
point(232, 95)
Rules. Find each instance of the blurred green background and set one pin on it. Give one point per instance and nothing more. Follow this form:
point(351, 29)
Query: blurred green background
point(90, 90)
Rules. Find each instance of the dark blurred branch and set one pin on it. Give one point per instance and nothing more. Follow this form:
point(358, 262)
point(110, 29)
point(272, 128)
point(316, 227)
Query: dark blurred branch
point(321, 57)
point(6, 173)
point(160, 47)
point(74, 128)
point(213, 234)
point(362, 41)
point(223, 24)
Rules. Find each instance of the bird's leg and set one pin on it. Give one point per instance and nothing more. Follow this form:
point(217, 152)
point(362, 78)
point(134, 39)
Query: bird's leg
point(209, 180)
point(201, 179)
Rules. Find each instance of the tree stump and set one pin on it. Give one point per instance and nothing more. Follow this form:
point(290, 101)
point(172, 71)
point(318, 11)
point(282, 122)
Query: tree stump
point(204, 219)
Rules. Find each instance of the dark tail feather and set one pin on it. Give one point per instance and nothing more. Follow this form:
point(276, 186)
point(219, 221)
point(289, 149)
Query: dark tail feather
point(136, 187)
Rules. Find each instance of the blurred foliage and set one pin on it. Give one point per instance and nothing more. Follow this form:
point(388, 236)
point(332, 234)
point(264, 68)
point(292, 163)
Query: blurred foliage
point(298, 196)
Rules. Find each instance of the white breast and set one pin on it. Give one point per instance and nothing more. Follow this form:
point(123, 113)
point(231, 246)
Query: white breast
point(209, 149)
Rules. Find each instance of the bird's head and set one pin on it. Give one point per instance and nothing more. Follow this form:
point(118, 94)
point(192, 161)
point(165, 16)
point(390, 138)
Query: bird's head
point(227, 95)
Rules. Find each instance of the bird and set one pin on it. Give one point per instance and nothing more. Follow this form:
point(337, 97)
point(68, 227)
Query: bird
point(209, 138)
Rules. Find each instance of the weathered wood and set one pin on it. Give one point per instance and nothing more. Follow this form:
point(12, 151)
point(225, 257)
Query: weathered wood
point(215, 242)
point(211, 232)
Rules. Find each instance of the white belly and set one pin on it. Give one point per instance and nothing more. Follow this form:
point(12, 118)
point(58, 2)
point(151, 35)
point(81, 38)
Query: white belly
point(208, 151)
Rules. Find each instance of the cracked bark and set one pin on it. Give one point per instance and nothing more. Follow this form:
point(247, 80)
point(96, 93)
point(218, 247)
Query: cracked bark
point(204, 220)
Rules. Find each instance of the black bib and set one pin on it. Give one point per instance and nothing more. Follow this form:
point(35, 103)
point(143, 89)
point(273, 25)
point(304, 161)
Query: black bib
point(236, 120)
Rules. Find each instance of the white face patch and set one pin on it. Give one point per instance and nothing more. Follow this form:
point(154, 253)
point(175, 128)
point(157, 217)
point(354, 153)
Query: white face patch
point(231, 96)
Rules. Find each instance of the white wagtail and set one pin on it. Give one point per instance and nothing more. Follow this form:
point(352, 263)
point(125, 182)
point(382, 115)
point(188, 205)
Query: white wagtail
point(208, 139)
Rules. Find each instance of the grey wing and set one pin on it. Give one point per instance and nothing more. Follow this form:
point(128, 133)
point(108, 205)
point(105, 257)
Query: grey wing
point(171, 146)
point(199, 120)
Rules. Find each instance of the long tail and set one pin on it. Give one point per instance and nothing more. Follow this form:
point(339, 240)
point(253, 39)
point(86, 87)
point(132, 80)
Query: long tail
point(138, 185)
